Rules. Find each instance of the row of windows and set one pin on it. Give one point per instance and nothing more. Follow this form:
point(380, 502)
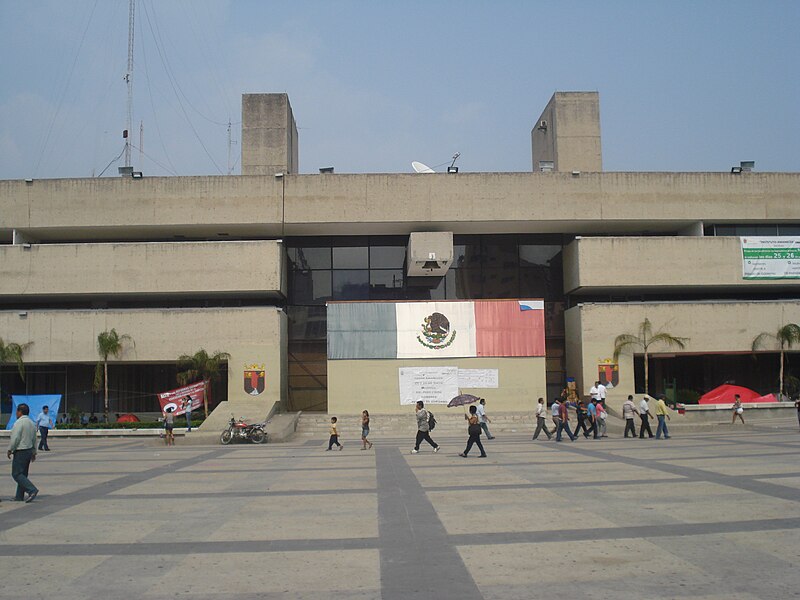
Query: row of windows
point(319, 286)
point(742, 230)
point(390, 253)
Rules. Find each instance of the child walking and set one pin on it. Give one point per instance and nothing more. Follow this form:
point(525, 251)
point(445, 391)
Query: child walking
point(365, 430)
point(334, 435)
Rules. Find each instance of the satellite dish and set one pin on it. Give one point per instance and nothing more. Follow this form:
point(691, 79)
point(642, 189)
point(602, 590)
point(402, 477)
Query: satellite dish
point(421, 168)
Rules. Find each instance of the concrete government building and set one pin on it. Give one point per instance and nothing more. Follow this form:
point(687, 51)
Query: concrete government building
point(248, 265)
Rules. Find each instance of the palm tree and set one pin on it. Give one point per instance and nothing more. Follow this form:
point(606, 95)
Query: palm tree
point(12, 353)
point(786, 337)
point(644, 340)
point(109, 343)
point(200, 365)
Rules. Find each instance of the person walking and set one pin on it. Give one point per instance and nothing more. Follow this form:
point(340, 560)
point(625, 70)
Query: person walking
point(474, 430)
point(423, 428)
point(365, 430)
point(598, 390)
point(563, 422)
point(602, 415)
point(628, 413)
point(169, 425)
point(483, 419)
point(22, 452)
point(541, 420)
point(738, 409)
point(662, 414)
point(44, 422)
point(645, 415)
point(582, 416)
point(334, 441)
point(187, 407)
point(591, 410)
point(554, 408)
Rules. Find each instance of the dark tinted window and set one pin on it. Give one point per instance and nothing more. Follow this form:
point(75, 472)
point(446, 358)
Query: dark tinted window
point(311, 287)
point(351, 258)
point(310, 258)
point(351, 285)
point(387, 257)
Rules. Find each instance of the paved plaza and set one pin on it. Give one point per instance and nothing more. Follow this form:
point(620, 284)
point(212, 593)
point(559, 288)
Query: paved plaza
point(698, 516)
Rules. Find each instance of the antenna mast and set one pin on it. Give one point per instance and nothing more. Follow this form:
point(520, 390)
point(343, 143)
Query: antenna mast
point(129, 81)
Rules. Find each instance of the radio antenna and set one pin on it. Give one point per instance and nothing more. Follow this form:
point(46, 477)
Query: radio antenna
point(129, 80)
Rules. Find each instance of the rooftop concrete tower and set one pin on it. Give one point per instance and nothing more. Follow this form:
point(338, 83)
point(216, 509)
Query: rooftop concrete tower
point(566, 137)
point(269, 135)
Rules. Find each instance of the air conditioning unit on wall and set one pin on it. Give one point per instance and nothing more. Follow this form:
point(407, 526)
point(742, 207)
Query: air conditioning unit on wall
point(429, 254)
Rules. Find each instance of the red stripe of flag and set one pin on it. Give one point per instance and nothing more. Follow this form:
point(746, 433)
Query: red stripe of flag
point(503, 329)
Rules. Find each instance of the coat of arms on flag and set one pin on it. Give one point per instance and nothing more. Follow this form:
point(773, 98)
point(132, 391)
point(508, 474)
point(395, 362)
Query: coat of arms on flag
point(254, 379)
point(436, 331)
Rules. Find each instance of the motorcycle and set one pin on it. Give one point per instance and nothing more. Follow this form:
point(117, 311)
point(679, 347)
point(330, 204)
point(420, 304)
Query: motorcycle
point(243, 431)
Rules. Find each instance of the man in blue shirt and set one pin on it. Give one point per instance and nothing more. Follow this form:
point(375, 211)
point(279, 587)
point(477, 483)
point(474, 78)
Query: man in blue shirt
point(592, 409)
point(44, 422)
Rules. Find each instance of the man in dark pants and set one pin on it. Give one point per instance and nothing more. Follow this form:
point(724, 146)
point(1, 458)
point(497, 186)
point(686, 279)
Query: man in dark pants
point(644, 413)
point(628, 413)
point(22, 448)
point(582, 416)
point(44, 422)
point(423, 428)
point(563, 421)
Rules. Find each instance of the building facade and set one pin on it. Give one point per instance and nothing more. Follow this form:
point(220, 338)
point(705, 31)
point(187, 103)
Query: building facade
point(246, 264)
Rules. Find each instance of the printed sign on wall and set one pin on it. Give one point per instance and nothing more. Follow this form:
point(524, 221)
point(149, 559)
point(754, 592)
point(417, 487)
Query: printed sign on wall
point(770, 257)
point(432, 385)
point(478, 378)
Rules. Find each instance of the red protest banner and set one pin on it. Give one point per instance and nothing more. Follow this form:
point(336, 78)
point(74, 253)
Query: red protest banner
point(176, 399)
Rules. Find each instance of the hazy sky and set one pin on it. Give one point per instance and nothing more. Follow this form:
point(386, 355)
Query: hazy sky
point(684, 85)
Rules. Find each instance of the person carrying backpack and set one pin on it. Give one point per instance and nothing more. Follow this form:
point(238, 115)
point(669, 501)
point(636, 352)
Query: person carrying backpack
point(424, 427)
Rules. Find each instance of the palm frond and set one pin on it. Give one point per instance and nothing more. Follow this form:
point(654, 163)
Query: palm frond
point(645, 330)
point(760, 341)
point(623, 342)
point(668, 340)
point(789, 335)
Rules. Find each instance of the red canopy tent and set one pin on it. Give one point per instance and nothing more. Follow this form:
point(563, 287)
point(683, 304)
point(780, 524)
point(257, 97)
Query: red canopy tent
point(724, 395)
point(128, 418)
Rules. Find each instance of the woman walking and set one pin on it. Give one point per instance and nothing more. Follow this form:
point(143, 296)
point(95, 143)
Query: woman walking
point(737, 409)
point(169, 424)
point(474, 431)
point(365, 430)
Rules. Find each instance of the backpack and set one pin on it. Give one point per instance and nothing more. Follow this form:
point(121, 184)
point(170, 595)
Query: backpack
point(431, 421)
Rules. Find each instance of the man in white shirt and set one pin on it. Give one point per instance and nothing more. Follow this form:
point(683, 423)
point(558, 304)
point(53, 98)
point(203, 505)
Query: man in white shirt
point(22, 451)
point(644, 414)
point(541, 420)
point(483, 419)
point(628, 412)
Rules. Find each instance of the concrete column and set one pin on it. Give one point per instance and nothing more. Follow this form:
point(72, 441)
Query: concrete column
point(269, 135)
point(567, 134)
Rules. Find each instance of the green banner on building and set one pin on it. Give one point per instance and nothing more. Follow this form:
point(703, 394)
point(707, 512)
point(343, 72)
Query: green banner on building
point(770, 257)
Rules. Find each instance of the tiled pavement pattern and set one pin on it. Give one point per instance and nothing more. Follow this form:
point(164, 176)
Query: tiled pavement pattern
point(701, 516)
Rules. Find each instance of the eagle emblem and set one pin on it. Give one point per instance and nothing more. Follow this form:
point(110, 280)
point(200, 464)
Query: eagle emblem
point(436, 333)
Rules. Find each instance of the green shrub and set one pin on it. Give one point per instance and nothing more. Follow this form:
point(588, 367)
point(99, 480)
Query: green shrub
point(686, 396)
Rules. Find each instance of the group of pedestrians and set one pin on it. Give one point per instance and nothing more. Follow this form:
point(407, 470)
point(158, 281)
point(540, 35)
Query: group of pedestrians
point(591, 418)
point(630, 411)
